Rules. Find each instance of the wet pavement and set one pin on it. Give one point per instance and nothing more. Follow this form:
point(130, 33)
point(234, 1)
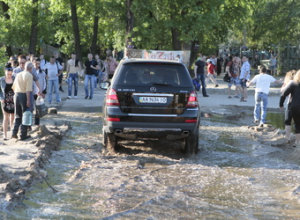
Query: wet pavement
point(234, 176)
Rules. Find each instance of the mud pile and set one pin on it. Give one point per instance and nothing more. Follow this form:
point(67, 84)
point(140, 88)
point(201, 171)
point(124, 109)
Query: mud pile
point(22, 162)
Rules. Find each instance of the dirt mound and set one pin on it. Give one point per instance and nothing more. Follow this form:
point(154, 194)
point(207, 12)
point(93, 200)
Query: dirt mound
point(13, 184)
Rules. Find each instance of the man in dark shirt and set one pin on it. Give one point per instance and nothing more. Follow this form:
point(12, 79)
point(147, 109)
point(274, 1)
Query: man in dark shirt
point(91, 66)
point(199, 70)
point(61, 62)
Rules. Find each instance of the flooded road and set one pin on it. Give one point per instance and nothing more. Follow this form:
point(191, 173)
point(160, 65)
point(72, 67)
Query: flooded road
point(234, 176)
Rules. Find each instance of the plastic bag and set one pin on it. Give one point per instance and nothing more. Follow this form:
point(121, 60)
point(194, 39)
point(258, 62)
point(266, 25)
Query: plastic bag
point(196, 84)
point(40, 107)
point(227, 78)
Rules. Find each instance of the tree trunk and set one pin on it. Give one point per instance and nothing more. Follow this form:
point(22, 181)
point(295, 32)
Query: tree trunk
point(34, 28)
point(176, 43)
point(76, 29)
point(129, 25)
point(193, 54)
point(95, 29)
point(5, 8)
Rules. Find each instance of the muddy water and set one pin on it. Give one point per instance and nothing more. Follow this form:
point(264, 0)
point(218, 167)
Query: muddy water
point(233, 177)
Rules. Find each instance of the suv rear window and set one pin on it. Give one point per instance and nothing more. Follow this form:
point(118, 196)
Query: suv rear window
point(153, 73)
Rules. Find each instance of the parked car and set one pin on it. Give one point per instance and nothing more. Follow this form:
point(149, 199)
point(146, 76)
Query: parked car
point(151, 99)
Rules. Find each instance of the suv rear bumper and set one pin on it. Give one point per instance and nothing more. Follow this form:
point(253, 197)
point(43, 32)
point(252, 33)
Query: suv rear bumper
point(134, 130)
point(170, 126)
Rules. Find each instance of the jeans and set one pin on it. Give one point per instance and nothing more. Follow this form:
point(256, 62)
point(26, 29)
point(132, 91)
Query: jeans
point(96, 79)
point(20, 101)
point(260, 109)
point(101, 74)
point(51, 84)
point(201, 79)
point(36, 119)
point(88, 78)
point(31, 102)
point(73, 77)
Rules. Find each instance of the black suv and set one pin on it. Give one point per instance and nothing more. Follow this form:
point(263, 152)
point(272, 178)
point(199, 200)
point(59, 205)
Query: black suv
point(151, 99)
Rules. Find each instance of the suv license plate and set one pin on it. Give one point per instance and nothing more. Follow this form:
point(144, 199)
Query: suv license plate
point(161, 100)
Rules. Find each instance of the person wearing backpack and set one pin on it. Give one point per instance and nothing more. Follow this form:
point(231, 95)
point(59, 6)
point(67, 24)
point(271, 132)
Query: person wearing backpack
point(73, 67)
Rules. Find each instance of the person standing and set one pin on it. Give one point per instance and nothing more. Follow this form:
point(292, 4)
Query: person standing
point(199, 70)
point(53, 72)
point(233, 74)
point(22, 87)
point(288, 113)
point(111, 65)
point(91, 66)
point(236, 70)
point(20, 68)
point(263, 81)
point(211, 73)
point(293, 89)
point(7, 99)
point(101, 68)
point(244, 77)
point(73, 67)
point(61, 63)
point(43, 62)
point(42, 83)
point(214, 60)
point(256, 61)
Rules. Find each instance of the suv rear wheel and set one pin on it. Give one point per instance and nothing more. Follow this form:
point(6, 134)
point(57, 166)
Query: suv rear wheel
point(191, 144)
point(110, 141)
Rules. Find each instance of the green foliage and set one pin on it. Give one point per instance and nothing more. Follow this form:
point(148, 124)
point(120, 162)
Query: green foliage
point(3, 60)
point(268, 22)
point(156, 23)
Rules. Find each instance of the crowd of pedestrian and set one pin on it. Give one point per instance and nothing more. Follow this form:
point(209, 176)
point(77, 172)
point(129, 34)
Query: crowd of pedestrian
point(207, 68)
point(28, 78)
point(238, 71)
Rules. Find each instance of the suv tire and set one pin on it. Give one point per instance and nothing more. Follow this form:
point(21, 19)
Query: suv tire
point(110, 141)
point(191, 144)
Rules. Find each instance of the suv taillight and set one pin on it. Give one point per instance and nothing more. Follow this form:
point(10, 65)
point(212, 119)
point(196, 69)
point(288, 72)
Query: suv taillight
point(193, 101)
point(112, 98)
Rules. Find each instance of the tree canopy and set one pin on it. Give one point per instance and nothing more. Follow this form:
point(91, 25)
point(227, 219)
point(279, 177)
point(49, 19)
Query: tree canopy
point(94, 25)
